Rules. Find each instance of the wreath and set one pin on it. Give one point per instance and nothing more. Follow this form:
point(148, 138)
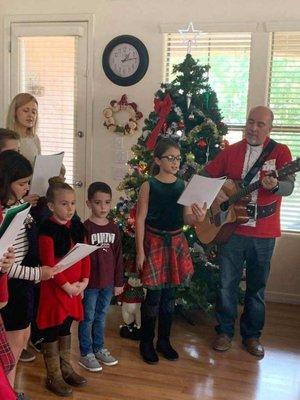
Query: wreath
point(114, 107)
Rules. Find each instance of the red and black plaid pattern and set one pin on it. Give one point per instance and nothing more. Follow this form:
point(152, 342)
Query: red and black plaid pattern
point(7, 358)
point(168, 260)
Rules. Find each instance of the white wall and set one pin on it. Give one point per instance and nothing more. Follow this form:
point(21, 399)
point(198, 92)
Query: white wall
point(142, 19)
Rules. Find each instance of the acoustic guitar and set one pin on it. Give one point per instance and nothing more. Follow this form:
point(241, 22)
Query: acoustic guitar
point(222, 218)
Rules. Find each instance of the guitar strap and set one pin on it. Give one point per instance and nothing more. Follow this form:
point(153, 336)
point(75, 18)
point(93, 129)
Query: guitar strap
point(259, 162)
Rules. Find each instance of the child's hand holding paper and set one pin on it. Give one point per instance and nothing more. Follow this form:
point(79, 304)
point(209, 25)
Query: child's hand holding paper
point(199, 212)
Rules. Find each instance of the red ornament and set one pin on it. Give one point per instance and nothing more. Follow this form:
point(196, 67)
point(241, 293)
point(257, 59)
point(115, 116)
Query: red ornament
point(202, 143)
point(132, 212)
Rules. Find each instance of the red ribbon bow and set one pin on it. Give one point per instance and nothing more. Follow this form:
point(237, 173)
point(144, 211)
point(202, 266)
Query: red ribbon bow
point(162, 108)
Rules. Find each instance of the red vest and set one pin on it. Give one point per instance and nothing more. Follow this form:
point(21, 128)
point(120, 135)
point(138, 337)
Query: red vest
point(229, 162)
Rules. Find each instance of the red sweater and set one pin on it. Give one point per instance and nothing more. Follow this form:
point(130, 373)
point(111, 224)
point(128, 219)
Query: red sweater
point(55, 304)
point(229, 162)
point(107, 264)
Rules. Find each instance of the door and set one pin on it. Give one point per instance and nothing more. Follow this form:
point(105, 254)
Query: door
point(49, 60)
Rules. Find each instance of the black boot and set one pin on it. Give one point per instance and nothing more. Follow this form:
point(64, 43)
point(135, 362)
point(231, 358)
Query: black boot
point(136, 333)
point(163, 345)
point(147, 350)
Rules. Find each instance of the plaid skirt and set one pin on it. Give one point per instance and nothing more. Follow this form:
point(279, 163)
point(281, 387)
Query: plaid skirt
point(168, 261)
point(7, 358)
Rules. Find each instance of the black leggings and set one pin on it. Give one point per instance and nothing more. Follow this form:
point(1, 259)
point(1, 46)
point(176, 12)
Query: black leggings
point(52, 334)
point(159, 301)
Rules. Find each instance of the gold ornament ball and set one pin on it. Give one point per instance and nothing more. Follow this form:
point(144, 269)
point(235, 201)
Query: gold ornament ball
point(190, 157)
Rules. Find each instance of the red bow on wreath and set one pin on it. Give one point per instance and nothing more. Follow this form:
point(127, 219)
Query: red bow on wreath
point(162, 108)
point(124, 102)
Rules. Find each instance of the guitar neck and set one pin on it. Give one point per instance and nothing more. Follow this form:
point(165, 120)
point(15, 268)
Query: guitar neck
point(244, 192)
point(288, 169)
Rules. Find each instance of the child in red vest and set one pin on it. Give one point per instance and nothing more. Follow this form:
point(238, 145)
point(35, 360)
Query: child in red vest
point(61, 297)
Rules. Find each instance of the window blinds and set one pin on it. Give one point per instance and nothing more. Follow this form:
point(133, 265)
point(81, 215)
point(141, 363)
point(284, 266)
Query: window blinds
point(48, 71)
point(228, 55)
point(284, 100)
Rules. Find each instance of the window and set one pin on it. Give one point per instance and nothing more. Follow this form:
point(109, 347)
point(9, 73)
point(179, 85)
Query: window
point(228, 55)
point(284, 100)
point(48, 71)
point(274, 79)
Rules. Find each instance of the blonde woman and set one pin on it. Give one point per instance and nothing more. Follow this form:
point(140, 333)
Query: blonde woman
point(22, 118)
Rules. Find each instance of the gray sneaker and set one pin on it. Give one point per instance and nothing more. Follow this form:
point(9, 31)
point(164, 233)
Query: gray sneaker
point(27, 356)
point(105, 357)
point(90, 363)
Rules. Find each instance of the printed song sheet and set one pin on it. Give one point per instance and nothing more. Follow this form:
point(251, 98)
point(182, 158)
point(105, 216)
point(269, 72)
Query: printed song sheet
point(201, 189)
point(77, 253)
point(45, 167)
point(12, 230)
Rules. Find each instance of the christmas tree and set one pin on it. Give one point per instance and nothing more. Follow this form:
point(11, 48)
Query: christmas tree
point(185, 110)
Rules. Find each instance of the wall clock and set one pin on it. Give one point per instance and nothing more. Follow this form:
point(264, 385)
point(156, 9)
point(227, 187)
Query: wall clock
point(125, 60)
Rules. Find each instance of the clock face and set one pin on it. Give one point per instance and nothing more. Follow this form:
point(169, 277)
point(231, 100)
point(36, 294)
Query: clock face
point(124, 60)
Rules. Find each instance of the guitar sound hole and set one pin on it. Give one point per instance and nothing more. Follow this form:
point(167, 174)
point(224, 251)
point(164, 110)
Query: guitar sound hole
point(224, 206)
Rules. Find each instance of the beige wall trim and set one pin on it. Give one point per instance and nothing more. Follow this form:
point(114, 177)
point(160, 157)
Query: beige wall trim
point(279, 297)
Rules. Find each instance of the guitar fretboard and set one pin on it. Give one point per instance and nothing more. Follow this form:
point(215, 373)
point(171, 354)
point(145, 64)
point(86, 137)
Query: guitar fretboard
point(244, 192)
point(290, 168)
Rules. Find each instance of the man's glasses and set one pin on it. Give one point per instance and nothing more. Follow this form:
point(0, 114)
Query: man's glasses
point(172, 158)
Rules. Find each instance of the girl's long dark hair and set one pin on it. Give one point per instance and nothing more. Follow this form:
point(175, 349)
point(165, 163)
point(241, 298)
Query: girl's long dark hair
point(162, 145)
point(13, 166)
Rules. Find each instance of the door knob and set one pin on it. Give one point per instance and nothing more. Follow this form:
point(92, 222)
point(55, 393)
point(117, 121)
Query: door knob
point(78, 184)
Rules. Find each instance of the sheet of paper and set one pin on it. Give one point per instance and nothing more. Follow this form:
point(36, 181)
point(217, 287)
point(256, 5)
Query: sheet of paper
point(200, 190)
point(77, 253)
point(9, 236)
point(10, 214)
point(45, 167)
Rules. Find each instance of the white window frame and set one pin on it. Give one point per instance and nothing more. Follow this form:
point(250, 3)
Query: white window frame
point(261, 47)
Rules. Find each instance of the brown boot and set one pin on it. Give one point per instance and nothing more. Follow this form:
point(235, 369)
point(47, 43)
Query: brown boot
point(254, 347)
point(67, 371)
point(54, 381)
point(222, 342)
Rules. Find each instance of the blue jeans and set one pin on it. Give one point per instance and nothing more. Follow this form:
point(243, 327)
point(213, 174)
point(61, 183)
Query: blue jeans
point(91, 330)
point(256, 253)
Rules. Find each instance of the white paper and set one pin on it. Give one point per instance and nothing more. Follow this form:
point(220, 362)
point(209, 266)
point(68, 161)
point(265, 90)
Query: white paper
point(9, 236)
point(45, 167)
point(201, 189)
point(77, 253)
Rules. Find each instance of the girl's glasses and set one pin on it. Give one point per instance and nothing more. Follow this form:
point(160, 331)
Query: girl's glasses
point(172, 158)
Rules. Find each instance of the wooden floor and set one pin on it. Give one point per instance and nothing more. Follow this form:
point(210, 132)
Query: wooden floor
point(200, 373)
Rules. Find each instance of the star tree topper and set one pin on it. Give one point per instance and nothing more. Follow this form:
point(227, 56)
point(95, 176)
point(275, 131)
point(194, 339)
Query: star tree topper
point(186, 37)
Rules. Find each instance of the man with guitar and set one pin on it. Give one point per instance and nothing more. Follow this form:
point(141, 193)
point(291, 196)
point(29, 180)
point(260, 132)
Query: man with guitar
point(251, 244)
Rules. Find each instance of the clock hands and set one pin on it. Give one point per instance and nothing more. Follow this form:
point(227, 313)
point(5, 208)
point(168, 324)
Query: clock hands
point(127, 58)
